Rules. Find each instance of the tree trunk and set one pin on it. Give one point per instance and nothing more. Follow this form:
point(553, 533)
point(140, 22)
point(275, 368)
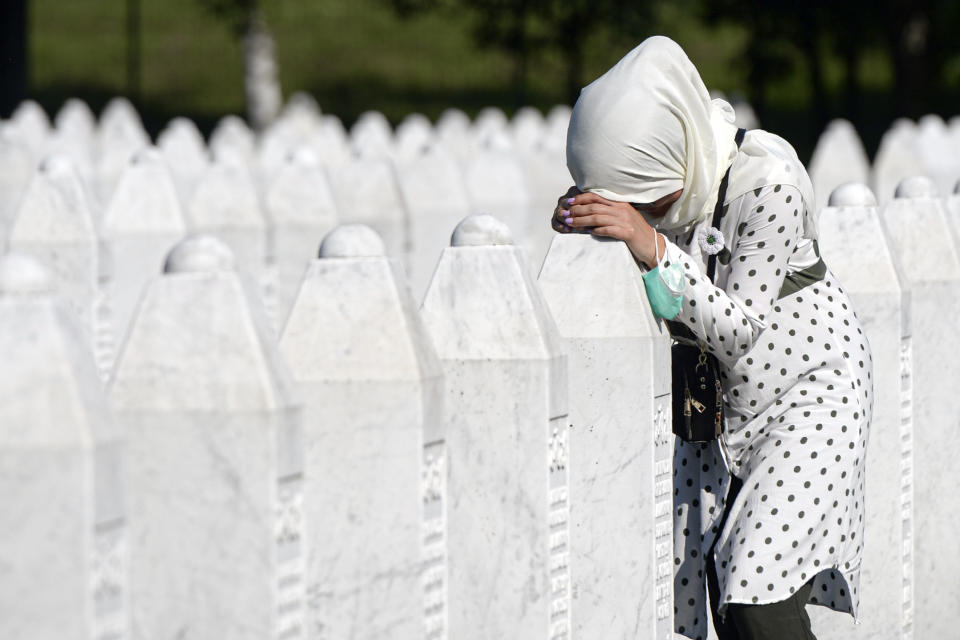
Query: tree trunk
point(261, 73)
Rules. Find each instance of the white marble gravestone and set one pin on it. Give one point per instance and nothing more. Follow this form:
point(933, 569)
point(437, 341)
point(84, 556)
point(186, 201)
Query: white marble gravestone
point(225, 203)
point(73, 135)
point(939, 160)
point(300, 211)
point(185, 153)
point(373, 439)
point(527, 128)
point(621, 445)
point(367, 193)
point(214, 468)
point(140, 225)
point(330, 141)
point(839, 157)
point(920, 236)
point(62, 533)
point(119, 135)
point(507, 429)
point(54, 224)
point(414, 136)
point(372, 136)
point(896, 159)
point(32, 120)
point(16, 169)
point(436, 200)
point(558, 120)
point(233, 141)
point(496, 185)
point(855, 248)
point(453, 131)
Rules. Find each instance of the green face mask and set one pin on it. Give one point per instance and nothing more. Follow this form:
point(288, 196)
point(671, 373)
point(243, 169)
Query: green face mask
point(664, 303)
point(665, 288)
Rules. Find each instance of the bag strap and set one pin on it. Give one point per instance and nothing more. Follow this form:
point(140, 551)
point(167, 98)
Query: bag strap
point(718, 210)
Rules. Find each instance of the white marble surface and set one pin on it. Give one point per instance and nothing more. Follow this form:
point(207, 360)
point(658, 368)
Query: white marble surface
point(920, 237)
point(621, 447)
point(839, 157)
point(372, 388)
point(55, 225)
point(16, 169)
point(225, 203)
point(367, 193)
point(496, 185)
point(896, 158)
point(300, 211)
point(62, 530)
point(507, 429)
point(433, 193)
point(185, 153)
point(118, 136)
point(854, 246)
point(140, 225)
point(214, 467)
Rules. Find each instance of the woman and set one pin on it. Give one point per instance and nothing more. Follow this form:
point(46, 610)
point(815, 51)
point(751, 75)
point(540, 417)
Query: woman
point(768, 517)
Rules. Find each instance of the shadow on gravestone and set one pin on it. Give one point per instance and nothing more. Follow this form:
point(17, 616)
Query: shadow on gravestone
point(214, 458)
point(920, 237)
point(621, 445)
point(62, 537)
point(854, 246)
point(372, 389)
point(505, 415)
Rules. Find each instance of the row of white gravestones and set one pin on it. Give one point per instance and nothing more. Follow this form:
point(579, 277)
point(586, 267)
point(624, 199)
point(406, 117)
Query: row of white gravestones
point(390, 515)
point(854, 245)
point(199, 375)
point(921, 236)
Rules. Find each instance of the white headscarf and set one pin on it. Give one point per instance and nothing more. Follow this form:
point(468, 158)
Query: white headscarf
point(647, 128)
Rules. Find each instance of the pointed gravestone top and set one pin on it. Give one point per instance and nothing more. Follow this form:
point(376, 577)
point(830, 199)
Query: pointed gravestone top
point(852, 194)
point(145, 200)
point(32, 120)
point(55, 206)
point(75, 115)
point(481, 230)
point(916, 187)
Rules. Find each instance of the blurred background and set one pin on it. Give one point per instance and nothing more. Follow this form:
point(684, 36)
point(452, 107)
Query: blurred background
point(798, 64)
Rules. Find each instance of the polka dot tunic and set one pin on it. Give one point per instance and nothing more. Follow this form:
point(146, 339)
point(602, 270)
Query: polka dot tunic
point(797, 375)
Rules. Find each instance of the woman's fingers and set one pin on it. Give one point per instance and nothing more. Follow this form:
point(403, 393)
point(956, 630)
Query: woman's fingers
point(595, 220)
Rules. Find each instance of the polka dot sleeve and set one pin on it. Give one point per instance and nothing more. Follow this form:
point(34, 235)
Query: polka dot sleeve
point(768, 227)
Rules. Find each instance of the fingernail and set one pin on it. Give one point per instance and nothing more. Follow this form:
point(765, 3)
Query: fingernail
point(568, 220)
point(565, 212)
point(571, 200)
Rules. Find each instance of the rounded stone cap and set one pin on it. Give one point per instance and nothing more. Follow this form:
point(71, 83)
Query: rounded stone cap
point(22, 274)
point(199, 253)
point(352, 241)
point(57, 164)
point(852, 194)
point(481, 230)
point(916, 187)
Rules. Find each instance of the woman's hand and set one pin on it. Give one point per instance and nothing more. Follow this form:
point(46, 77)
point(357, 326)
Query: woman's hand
point(560, 213)
point(590, 213)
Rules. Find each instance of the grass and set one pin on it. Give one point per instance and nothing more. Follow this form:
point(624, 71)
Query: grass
point(355, 55)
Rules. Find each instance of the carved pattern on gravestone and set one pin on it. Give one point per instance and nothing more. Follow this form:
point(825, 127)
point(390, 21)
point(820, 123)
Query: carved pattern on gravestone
point(107, 581)
point(559, 522)
point(433, 491)
point(663, 518)
point(104, 344)
point(906, 486)
point(288, 534)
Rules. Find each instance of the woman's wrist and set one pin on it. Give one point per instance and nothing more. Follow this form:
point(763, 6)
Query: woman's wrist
point(648, 247)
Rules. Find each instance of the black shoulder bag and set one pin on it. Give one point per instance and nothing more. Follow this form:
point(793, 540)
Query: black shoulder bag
point(697, 393)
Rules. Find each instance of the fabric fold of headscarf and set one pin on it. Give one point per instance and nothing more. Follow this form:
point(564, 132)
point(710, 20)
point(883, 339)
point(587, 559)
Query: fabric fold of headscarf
point(648, 128)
